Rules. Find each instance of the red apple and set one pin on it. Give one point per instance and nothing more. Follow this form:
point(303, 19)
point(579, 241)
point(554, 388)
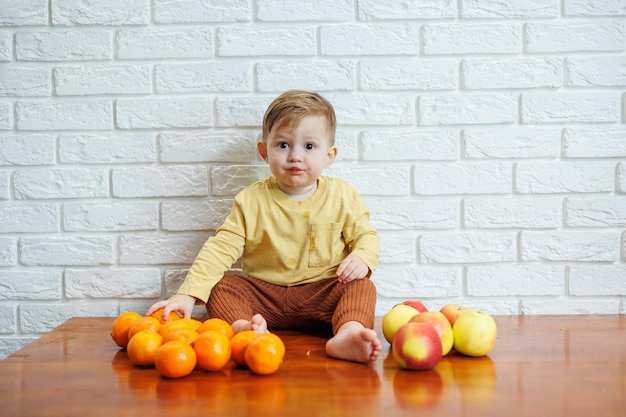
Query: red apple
point(475, 333)
point(418, 305)
point(452, 312)
point(417, 346)
point(441, 324)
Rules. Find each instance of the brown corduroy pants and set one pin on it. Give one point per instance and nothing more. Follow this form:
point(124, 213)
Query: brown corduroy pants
point(323, 303)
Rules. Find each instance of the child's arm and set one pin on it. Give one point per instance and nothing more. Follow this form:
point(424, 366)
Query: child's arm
point(362, 240)
point(181, 303)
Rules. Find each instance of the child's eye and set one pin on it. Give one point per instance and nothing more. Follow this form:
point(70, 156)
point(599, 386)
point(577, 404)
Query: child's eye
point(309, 146)
point(282, 145)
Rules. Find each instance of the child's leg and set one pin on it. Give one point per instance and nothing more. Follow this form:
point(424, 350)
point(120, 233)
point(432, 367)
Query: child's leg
point(348, 307)
point(356, 302)
point(246, 303)
point(353, 323)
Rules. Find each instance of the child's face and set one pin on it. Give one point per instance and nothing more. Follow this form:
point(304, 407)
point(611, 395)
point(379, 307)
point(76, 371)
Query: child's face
point(297, 157)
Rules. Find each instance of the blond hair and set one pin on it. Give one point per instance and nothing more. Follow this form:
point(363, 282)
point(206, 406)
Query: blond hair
point(288, 109)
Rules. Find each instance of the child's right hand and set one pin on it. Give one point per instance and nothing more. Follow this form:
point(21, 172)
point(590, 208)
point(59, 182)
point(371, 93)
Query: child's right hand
point(181, 303)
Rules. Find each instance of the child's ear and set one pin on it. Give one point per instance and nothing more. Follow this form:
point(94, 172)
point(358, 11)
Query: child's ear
point(330, 156)
point(262, 149)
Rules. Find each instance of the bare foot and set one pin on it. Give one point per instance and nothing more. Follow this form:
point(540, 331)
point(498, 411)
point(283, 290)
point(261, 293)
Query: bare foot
point(256, 323)
point(353, 342)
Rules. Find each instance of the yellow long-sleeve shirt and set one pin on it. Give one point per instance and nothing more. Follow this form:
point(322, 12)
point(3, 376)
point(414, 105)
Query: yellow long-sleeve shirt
point(284, 241)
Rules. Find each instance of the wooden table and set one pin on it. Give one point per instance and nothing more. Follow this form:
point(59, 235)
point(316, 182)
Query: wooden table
point(541, 366)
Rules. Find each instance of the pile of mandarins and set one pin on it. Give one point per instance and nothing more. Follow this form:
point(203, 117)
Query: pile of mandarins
point(177, 346)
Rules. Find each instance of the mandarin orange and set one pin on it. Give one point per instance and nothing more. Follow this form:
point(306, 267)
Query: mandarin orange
point(239, 344)
point(173, 325)
point(265, 353)
point(183, 334)
point(217, 324)
point(143, 346)
point(175, 359)
point(121, 325)
point(159, 316)
point(213, 350)
point(191, 322)
point(144, 323)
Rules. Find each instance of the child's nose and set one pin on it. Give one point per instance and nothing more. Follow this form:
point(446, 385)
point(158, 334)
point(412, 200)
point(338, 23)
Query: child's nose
point(295, 154)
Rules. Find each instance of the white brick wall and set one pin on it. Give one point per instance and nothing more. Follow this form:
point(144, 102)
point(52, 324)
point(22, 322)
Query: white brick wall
point(487, 138)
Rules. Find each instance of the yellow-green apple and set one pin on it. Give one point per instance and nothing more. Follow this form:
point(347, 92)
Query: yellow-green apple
point(398, 316)
point(452, 312)
point(417, 346)
point(418, 305)
point(475, 333)
point(441, 324)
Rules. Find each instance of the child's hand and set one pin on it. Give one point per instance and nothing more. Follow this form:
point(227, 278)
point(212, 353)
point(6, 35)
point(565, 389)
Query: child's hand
point(352, 268)
point(180, 302)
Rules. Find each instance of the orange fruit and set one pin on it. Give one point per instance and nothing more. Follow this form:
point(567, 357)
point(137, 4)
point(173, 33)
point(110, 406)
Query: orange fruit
point(175, 359)
point(239, 344)
point(213, 350)
point(217, 324)
point(173, 325)
point(142, 347)
point(191, 322)
point(121, 325)
point(159, 316)
point(265, 353)
point(144, 323)
point(183, 334)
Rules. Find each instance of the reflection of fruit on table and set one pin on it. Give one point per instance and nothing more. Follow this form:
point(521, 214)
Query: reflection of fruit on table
point(476, 378)
point(540, 366)
point(415, 391)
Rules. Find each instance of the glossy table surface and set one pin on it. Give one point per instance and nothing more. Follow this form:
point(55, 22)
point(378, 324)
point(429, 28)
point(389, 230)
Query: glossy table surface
point(571, 365)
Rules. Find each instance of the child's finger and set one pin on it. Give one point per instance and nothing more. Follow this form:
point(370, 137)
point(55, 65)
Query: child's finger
point(154, 308)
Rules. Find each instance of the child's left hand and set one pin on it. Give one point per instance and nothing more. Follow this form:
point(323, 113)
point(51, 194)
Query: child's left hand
point(352, 268)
